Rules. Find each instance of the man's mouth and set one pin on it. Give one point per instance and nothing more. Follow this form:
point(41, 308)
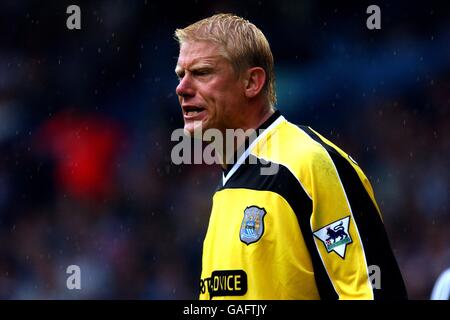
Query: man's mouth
point(192, 111)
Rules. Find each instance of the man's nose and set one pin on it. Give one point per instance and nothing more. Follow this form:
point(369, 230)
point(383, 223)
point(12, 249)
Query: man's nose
point(185, 87)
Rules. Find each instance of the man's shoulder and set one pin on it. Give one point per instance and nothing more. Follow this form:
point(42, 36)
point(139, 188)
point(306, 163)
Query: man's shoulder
point(296, 141)
point(292, 146)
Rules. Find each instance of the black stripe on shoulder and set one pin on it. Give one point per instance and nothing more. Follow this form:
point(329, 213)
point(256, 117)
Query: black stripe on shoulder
point(370, 226)
point(287, 186)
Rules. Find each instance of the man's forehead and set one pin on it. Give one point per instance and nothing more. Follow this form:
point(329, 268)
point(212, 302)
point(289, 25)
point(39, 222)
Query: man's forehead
point(198, 52)
point(185, 62)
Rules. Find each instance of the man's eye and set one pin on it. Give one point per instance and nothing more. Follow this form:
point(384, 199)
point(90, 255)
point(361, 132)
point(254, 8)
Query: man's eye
point(201, 72)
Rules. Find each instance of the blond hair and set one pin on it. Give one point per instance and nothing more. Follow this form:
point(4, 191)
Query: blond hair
point(243, 44)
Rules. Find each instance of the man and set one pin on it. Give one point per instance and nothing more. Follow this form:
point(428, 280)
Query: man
point(310, 230)
point(441, 289)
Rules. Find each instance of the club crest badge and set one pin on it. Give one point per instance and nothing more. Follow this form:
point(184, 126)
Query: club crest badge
point(335, 236)
point(252, 226)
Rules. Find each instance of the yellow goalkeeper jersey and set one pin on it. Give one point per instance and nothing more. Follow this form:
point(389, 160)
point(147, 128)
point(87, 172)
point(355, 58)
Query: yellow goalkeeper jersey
point(296, 218)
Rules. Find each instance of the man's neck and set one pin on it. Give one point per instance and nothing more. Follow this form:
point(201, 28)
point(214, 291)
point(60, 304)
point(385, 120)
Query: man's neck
point(240, 137)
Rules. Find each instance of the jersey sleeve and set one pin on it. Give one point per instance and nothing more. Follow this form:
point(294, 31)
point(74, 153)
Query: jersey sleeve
point(349, 235)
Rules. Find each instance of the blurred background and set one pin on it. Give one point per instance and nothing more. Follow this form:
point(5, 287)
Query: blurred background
point(86, 118)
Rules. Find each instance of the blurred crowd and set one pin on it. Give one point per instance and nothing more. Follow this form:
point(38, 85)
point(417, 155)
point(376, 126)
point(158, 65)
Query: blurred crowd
point(86, 118)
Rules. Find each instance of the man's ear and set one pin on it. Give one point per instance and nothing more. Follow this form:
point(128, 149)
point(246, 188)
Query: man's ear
point(254, 81)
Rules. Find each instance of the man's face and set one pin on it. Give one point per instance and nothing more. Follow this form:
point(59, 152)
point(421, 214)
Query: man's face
point(210, 93)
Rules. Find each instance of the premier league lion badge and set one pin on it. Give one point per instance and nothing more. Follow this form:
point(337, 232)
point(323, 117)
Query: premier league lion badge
point(252, 227)
point(335, 236)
